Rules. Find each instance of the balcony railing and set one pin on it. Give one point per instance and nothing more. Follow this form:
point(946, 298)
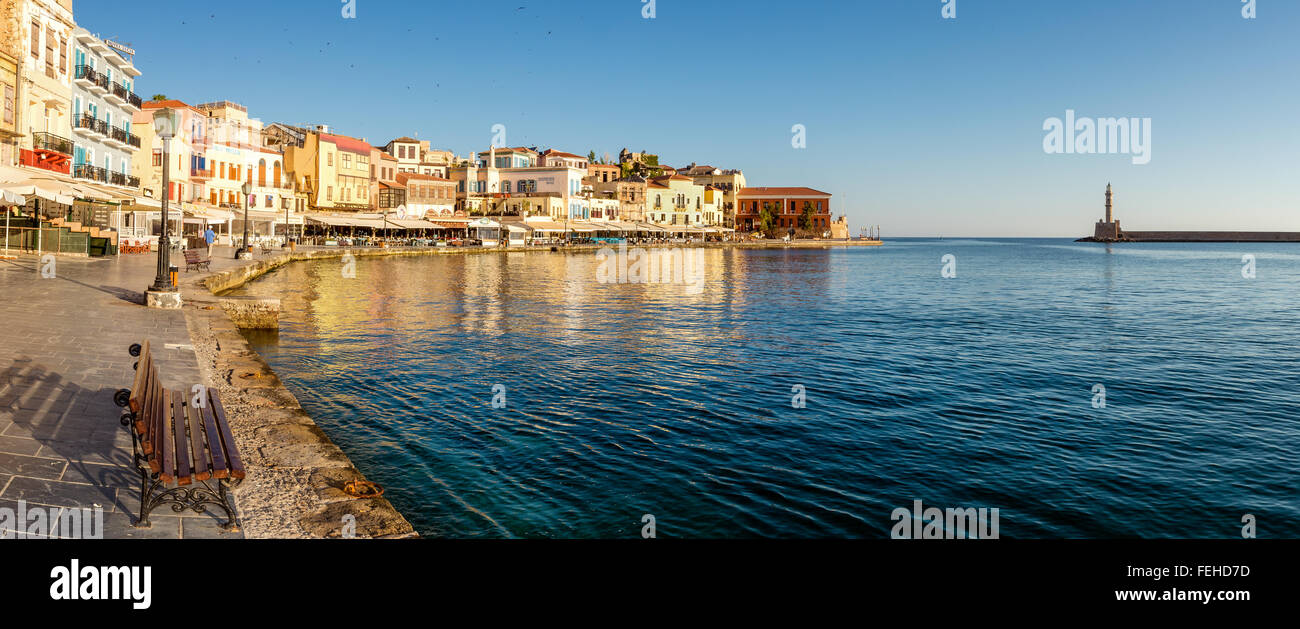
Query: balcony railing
point(85, 72)
point(117, 179)
point(201, 172)
point(93, 173)
point(131, 181)
point(84, 121)
point(118, 134)
point(133, 100)
point(42, 141)
point(133, 140)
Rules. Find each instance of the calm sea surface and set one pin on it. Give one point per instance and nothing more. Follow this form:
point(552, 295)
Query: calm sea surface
point(976, 391)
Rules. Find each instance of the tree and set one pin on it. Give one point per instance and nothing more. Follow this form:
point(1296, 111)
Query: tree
point(159, 97)
point(591, 156)
point(766, 219)
point(806, 217)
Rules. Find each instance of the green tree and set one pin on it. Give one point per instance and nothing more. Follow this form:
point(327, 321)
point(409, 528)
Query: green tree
point(159, 97)
point(806, 217)
point(766, 219)
point(591, 156)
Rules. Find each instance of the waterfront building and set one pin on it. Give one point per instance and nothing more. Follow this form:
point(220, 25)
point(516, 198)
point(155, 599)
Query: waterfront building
point(675, 200)
point(501, 173)
point(728, 182)
point(631, 195)
point(44, 99)
point(604, 209)
point(333, 170)
point(104, 103)
point(428, 196)
point(233, 153)
point(9, 123)
point(552, 158)
point(407, 152)
point(713, 202)
point(787, 206)
point(603, 173)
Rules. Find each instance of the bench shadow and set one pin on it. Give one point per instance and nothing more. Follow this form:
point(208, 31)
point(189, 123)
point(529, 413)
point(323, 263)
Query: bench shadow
point(54, 419)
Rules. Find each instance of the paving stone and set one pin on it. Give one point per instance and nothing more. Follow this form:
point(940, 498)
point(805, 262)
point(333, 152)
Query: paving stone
point(35, 467)
point(60, 494)
point(19, 445)
point(205, 528)
point(120, 525)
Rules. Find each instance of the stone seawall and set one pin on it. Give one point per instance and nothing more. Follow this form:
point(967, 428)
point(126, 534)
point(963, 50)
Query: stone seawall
point(1178, 236)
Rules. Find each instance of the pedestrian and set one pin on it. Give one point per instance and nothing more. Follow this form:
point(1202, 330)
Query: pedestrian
point(209, 237)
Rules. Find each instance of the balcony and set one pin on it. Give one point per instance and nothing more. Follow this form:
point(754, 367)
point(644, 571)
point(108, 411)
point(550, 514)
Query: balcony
point(116, 94)
point(133, 141)
point(117, 179)
point(93, 173)
point(85, 76)
point(100, 85)
point(51, 143)
point(116, 137)
point(83, 124)
point(201, 173)
point(132, 101)
point(132, 182)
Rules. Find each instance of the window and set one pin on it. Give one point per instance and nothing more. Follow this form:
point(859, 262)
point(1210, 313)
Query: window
point(49, 51)
point(63, 55)
point(36, 39)
point(157, 158)
point(347, 160)
point(329, 159)
point(9, 105)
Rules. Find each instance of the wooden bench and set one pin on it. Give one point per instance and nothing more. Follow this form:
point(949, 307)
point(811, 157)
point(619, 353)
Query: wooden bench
point(183, 446)
point(193, 261)
point(266, 248)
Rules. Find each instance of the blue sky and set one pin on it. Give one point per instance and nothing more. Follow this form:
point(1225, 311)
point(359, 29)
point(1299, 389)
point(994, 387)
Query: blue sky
point(923, 125)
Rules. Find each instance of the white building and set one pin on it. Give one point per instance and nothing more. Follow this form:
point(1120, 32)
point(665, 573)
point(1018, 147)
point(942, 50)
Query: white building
point(103, 104)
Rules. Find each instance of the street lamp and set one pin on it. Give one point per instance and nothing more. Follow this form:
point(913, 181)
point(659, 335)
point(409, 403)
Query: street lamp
point(247, 189)
point(164, 124)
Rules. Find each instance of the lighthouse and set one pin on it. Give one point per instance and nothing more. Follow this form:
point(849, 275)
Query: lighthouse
point(1107, 229)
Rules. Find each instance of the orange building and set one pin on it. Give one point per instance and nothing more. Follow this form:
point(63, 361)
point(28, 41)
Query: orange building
point(787, 206)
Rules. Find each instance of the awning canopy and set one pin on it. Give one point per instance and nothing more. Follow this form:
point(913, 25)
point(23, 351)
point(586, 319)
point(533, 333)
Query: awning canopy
point(544, 226)
point(649, 227)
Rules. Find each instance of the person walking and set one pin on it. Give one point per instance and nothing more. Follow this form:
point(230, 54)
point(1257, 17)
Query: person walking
point(209, 237)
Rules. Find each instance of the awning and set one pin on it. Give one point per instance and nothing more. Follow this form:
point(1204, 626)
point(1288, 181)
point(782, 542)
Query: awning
point(649, 227)
point(544, 226)
point(209, 213)
point(412, 223)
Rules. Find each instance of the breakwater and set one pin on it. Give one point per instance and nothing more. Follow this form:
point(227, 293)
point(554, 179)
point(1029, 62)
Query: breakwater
point(1198, 236)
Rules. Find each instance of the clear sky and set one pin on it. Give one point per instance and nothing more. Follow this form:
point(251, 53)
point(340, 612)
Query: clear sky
point(924, 125)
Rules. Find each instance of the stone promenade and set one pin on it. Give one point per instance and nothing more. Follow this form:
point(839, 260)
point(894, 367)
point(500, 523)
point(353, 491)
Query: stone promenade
point(63, 352)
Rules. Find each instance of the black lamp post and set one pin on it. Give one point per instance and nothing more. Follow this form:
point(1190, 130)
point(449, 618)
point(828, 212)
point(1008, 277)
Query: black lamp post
point(164, 124)
point(247, 188)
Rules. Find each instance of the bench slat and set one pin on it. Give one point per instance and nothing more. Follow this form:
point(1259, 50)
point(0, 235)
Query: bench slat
point(144, 417)
point(184, 473)
point(197, 448)
point(167, 441)
point(219, 467)
point(141, 374)
point(227, 440)
point(155, 410)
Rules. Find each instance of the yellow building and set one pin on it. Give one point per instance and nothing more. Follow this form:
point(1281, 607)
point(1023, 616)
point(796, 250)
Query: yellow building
point(334, 171)
point(675, 200)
